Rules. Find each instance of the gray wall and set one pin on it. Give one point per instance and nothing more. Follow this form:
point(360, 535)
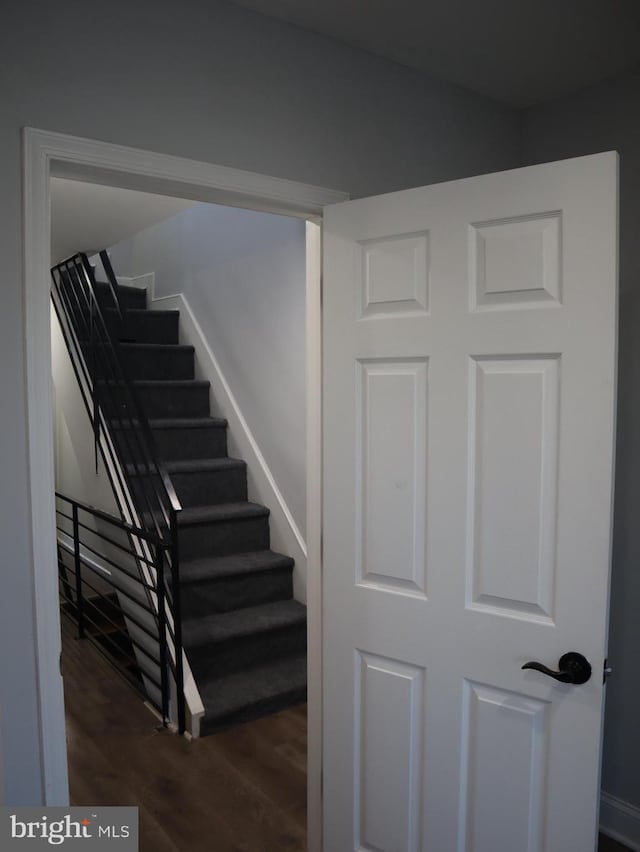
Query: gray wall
point(600, 119)
point(210, 81)
point(243, 275)
point(75, 473)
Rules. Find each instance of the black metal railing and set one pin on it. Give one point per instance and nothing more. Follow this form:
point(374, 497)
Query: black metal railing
point(112, 602)
point(92, 327)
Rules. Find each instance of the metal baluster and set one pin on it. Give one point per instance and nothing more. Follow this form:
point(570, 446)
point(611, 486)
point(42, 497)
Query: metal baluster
point(162, 632)
point(77, 564)
point(177, 619)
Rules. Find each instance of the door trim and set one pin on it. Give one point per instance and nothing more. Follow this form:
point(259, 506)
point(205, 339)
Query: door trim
point(47, 154)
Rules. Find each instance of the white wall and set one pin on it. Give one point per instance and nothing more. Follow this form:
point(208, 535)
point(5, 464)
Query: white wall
point(73, 436)
point(207, 80)
point(603, 118)
point(88, 217)
point(243, 275)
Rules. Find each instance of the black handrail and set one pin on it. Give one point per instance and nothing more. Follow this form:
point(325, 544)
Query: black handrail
point(128, 448)
point(73, 299)
point(109, 369)
point(143, 424)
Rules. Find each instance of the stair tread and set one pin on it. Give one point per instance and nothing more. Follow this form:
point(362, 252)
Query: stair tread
point(177, 423)
point(159, 383)
point(193, 465)
point(175, 383)
point(132, 345)
point(144, 311)
point(220, 567)
point(196, 465)
point(224, 696)
point(239, 623)
point(221, 512)
point(187, 422)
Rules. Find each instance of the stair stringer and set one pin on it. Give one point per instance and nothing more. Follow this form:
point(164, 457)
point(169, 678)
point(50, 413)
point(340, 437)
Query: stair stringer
point(285, 534)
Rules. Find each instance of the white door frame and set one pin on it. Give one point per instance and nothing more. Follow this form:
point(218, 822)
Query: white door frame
point(47, 153)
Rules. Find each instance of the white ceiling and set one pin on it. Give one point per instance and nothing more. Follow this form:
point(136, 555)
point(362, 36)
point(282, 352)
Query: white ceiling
point(90, 217)
point(520, 52)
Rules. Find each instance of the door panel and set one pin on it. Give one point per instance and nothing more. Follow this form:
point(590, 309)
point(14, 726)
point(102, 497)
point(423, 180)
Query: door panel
point(518, 768)
point(388, 762)
point(391, 487)
point(469, 390)
point(513, 449)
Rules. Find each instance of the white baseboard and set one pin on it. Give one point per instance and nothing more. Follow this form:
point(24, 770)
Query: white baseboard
point(285, 535)
point(620, 820)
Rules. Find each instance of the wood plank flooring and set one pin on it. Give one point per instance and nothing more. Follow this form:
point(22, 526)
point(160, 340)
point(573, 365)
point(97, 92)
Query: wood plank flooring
point(243, 790)
point(606, 844)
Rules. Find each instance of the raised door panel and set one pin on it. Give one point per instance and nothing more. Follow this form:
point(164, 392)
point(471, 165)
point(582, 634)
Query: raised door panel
point(504, 743)
point(390, 697)
point(391, 474)
point(513, 481)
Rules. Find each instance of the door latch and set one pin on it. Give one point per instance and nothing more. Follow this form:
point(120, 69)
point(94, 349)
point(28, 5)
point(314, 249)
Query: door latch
point(574, 668)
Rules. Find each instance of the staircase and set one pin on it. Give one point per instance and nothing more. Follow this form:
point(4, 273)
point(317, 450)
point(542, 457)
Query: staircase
point(242, 631)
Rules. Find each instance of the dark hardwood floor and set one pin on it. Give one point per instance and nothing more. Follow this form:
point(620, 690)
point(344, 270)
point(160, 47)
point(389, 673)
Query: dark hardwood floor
point(242, 790)
point(606, 844)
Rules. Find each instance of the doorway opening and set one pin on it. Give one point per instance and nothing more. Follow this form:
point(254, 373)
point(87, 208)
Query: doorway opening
point(52, 155)
point(210, 330)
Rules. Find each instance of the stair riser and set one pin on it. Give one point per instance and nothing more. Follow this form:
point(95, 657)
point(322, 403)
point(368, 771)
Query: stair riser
point(224, 537)
point(202, 599)
point(210, 725)
point(141, 364)
point(223, 658)
point(146, 327)
point(78, 303)
point(127, 445)
point(145, 365)
point(139, 327)
point(223, 486)
point(206, 488)
point(128, 299)
point(190, 401)
point(180, 444)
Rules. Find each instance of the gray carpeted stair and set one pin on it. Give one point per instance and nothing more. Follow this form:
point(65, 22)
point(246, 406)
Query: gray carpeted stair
point(223, 583)
point(255, 692)
point(144, 326)
point(223, 529)
point(244, 634)
point(161, 398)
point(183, 437)
point(157, 360)
point(198, 481)
point(130, 297)
point(230, 642)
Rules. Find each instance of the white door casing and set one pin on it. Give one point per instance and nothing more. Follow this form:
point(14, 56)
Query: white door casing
point(469, 393)
point(46, 152)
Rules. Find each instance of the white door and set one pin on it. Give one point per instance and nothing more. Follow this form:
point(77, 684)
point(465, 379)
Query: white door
point(469, 392)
